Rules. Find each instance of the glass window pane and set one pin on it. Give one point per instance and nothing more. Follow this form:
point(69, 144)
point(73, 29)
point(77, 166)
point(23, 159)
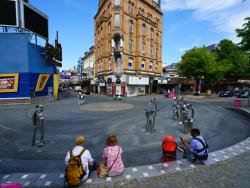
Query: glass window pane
point(117, 20)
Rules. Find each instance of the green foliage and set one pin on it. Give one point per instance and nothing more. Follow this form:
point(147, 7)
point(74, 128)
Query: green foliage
point(196, 63)
point(244, 34)
point(231, 58)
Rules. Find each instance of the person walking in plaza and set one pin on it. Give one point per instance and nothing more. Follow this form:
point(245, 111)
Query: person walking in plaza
point(112, 154)
point(197, 149)
point(72, 175)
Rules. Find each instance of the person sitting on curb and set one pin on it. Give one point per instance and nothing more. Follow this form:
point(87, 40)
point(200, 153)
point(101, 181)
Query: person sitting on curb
point(197, 149)
point(87, 162)
point(112, 154)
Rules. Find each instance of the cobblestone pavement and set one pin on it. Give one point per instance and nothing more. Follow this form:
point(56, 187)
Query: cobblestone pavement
point(232, 173)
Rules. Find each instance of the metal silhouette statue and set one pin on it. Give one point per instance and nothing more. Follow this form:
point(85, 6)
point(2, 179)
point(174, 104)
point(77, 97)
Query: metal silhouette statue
point(151, 111)
point(184, 113)
point(38, 123)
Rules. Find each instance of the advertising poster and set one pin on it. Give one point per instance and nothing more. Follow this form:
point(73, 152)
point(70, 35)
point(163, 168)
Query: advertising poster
point(42, 81)
point(8, 83)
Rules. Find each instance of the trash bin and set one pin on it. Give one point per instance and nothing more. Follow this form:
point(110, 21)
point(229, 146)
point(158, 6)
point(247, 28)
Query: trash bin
point(237, 102)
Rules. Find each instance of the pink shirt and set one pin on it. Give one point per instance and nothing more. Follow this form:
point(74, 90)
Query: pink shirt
point(109, 154)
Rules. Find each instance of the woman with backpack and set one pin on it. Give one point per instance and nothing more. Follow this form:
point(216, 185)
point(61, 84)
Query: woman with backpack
point(78, 162)
point(112, 154)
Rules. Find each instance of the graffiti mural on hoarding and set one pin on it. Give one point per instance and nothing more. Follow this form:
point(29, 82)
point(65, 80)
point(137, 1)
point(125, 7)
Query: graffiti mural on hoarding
point(8, 83)
point(42, 81)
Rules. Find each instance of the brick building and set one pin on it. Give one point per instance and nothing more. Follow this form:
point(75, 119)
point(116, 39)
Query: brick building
point(128, 46)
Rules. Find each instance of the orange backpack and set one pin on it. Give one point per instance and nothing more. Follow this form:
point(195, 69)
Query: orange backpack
point(74, 172)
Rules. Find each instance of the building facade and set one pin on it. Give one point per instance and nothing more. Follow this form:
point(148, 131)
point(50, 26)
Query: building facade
point(88, 64)
point(128, 46)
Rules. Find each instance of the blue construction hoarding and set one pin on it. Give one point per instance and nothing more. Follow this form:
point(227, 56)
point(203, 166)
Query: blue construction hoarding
point(24, 71)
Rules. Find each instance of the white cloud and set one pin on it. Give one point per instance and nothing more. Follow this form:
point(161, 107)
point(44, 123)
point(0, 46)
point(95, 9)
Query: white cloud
point(225, 15)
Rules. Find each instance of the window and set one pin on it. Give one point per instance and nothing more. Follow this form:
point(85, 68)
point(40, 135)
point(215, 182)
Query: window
point(151, 51)
point(117, 2)
point(157, 37)
point(156, 53)
point(143, 30)
point(132, 9)
point(110, 65)
point(150, 66)
point(117, 20)
point(130, 63)
point(156, 66)
point(143, 47)
point(129, 8)
point(151, 33)
point(131, 26)
point(130, 46)
point(143, 65)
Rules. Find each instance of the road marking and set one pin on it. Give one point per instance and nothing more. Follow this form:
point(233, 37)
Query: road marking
point(25, 176)
point(234, 153)
point(247, 148)
point(162, 171)
point(192, 166)
point(216, 160)
point(213, 154)
point(243, 144)
point(26, 183)
point(150, 167)
point(108, 179)
point(178, 168)
point(134, 169)
point(237, 146)
point(128, 177)
point(5, 177)
point(226, 157)
point(61, 176)
point(222, 151)
point(165, 164)
point(241, 150)
point(21, 149)
point(145, 174)
point(231, 149)
point(48, 183)
point(43, 176)
point(89, 180)
point(1, 126)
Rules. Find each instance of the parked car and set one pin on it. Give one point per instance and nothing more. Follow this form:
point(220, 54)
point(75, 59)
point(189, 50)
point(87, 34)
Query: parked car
point(228, 93)
point(244, 94)
point(77, 88)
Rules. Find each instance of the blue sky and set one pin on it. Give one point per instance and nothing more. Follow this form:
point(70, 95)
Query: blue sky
point(186, 23)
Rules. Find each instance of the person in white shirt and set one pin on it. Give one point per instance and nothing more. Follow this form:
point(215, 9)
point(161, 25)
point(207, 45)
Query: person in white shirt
point(86, 158)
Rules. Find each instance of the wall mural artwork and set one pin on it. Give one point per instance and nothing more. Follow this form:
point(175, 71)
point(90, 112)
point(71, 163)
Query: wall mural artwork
point(9, 83)
point(42, 81)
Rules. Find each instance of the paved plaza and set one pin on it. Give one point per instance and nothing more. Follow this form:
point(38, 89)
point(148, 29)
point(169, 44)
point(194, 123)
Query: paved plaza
point(65, 119)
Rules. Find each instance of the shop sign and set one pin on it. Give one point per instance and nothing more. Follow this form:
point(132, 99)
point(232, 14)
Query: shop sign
point(138, 80)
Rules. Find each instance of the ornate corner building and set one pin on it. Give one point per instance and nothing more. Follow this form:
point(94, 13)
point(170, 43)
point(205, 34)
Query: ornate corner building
point(128, 46)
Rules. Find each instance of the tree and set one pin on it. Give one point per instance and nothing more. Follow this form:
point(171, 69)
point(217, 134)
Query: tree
point(197, 63)
point(229, 56)
point(244, 34)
